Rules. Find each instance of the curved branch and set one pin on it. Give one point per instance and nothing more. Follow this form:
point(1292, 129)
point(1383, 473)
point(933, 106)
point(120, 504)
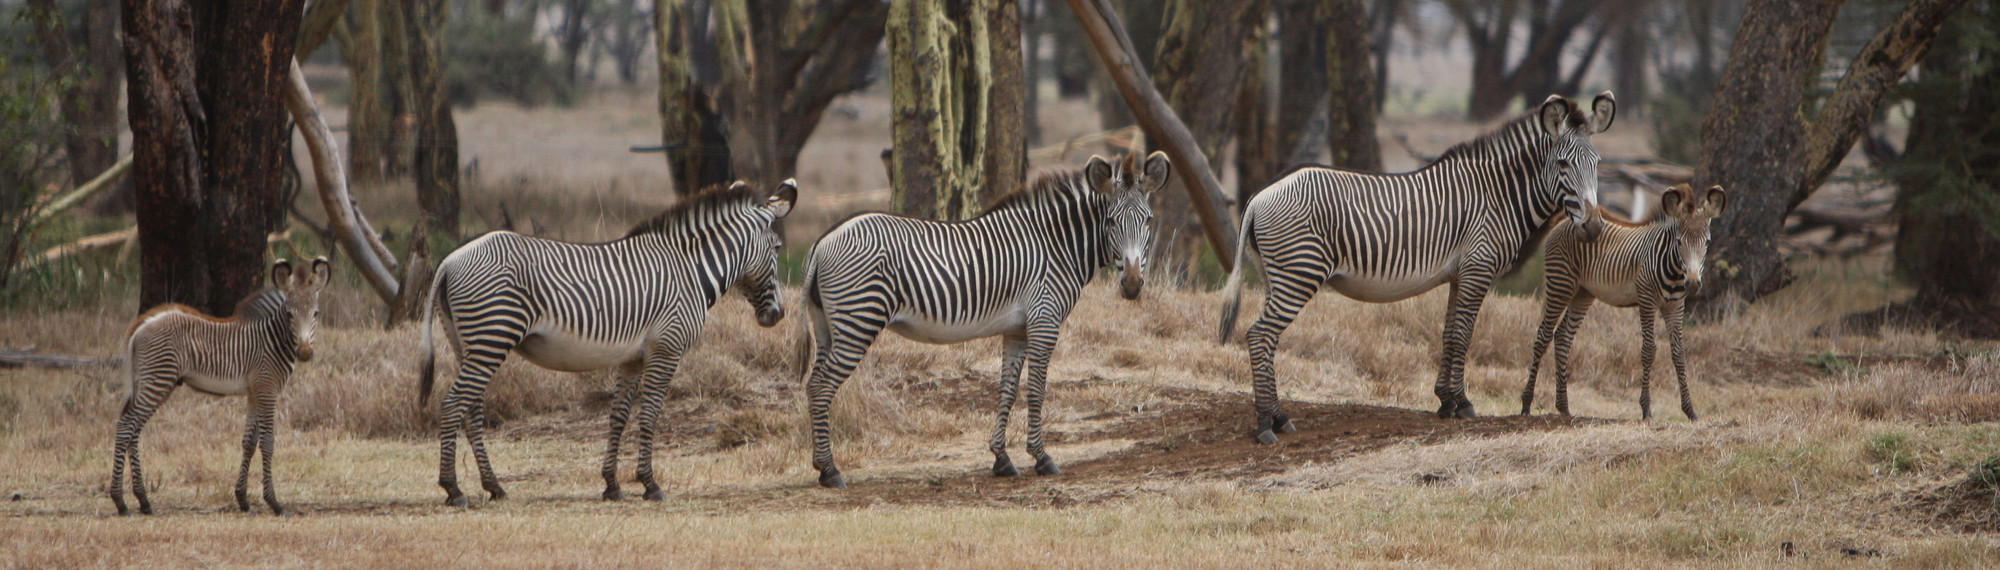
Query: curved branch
point(363, 246)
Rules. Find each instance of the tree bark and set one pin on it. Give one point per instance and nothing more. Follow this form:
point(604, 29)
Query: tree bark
point(780, 67)
point(435, 160)
point(371, 259)
point(1351, 102)
point(1202, 60)
point(697, 152)
point(1257, 157)
point(208, 130)
point(1302, 87)
point(1759, 146)
point(1145, 20)
point(1631, 48)
point(1489, 29)
point(957, 119)
point(573, 35)
point(373, 44)
point(321, 19)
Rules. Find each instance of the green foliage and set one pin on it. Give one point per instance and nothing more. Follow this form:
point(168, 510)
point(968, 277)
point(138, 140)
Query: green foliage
point(31, 134)
point(499, 57)
point(1893, 451)
point(1987, 473)
point(1833, 363)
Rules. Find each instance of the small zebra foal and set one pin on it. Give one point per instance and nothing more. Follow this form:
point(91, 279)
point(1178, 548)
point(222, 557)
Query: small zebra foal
point(1653, 265)
point(251, 352)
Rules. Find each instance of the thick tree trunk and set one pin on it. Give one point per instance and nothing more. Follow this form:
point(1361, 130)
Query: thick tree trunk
point(373, 44)
point(1302, 87)
point(573, 36)
point(207, 145)
point(1006, 156)
point(435, 164)
point(780, 67)
point(1350, 117)
point(1630, 50)
point(1034, 25)
point(1203, 58)
point(1256, 145)
point(1144, 20)
point(697, 152)
point(321, 19)
point(945, 74)
point(1759, 146)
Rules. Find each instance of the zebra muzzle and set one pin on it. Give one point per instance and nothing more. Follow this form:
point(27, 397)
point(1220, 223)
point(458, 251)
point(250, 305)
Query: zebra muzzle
point(766, 318)
point(305, 352)
point(1129, 285)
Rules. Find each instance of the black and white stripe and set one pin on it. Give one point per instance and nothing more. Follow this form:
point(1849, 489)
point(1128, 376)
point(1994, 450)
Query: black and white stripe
point(250, 352)
point(1015, 271)
point(1463, 220)
point(1652, 266)
point(636, 303)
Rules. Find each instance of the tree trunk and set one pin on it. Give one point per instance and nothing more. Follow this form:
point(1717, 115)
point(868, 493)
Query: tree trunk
point(780, 67)
point(90, 97)
point(944, 74)
point(1759, 146)
point(573, 36)
point(322, 17)
point(1630, 50)
point(373, 44)
point(1350, 117)
point(628, 41)
point(1257, 156)
point(208, 125)
point(1145, 20)
point(1302, 87)
point(1034, 23)
point(697, 151)
point(1202, 60)
point(435, 164)
point(1006, 155)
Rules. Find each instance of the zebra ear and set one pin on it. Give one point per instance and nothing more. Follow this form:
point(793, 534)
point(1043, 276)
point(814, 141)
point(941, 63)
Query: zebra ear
point(739, 184)
point(780, 202)
point(281, 273)
point(1098, 173)
point(1715, 199)
point(1672, 199)
point(1602, 110)
point(322, 271)
point(1158, 170)
point(1554, 110)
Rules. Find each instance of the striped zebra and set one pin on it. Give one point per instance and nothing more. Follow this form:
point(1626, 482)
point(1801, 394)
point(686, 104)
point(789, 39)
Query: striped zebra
point(250, 352)
point(636, 303)
point(1470, 216)
point(1015, 272)
point(1652, 265)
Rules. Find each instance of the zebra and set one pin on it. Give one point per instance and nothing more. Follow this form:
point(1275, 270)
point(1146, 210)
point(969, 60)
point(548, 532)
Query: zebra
point(636, 303)
point(1652, 265)
point(1464, 219)
point(1015, 271)
point(250, 352)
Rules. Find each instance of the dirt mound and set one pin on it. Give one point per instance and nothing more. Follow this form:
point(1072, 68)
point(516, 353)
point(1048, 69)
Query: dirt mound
point(1205, 436)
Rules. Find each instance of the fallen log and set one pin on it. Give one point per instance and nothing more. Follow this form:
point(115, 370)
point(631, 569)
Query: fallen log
point(29, 358)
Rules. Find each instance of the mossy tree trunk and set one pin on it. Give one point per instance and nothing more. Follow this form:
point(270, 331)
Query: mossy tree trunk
point(374, 46)
point(1767, 152)
point(697, 151)
point(1203, 58)
point(956, 94)
point(208, 127)
point(1351, 101)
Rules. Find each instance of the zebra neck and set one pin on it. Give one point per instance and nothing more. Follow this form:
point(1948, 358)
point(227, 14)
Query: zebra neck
point(1073, 224)
point(710, 259)
point(262, 316)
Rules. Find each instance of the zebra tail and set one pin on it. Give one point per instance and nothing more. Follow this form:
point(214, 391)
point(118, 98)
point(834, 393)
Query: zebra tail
point(1232, 290)
point(427, 375)
point(808, 311)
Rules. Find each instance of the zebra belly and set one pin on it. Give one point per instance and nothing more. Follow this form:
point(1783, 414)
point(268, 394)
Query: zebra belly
point(1386, 289)
point(563, 352)
point(922, 329)
point(215, 384)
point(1616, 295)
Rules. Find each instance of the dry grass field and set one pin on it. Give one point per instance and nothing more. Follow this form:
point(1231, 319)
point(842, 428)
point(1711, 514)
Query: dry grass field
point(1842, 449)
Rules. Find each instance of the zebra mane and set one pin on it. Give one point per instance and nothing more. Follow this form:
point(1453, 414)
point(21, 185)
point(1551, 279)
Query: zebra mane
point(1060, 182)
point(1498, 139)
point(715, 197)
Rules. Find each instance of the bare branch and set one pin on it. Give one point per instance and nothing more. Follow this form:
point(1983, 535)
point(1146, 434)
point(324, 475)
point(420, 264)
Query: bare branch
point(355, 235)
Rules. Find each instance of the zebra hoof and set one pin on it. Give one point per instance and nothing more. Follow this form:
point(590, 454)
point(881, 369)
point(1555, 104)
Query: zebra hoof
point(1047, 467)
point(278, 510)
point(1266, 437)
point(1286, 425)
point(145, 509)
point(614, 494)
point(122, 511)
point(494, 492)
point(1690, 414)
point(457, 501)
point(243, 506)
point(1004, 468)
point(653, 493)
point(832, 480)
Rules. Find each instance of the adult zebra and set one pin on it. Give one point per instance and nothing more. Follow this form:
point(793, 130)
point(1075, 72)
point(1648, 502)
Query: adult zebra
point(1470, 216)
point(1015, 271)
point(637, 302)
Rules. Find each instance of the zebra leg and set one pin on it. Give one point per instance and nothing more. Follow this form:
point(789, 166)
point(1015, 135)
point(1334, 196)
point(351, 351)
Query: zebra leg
point(1468, 292)
point(475, 435)
point(1565, 334)
point(1646, 348)
point(251, 421)
point(839, 354)
point(1041, 343)
point(621, 409)
point(1012, 350)
point(1553, 308)
point(1289, 290)
point(1673, 315)
point(457, 409)
point(660, 368)
point(148, 393)
point(267, 411)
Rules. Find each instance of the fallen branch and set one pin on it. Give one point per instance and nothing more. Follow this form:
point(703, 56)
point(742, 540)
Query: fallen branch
point(88, 243)
point(88, 189)
point(377, 266)
point(14, 358)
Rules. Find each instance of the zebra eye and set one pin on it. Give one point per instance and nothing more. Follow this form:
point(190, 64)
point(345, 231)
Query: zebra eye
point(1562, 163)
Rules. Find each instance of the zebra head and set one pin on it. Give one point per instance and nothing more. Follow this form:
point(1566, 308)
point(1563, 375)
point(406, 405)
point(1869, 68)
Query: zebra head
point(759, 281)
point(1693, 216)
point(302, 301)
point(1570, 167)
point(1127, 227)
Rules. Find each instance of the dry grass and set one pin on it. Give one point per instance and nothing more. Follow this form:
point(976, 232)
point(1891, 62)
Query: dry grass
point(1826, 443)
